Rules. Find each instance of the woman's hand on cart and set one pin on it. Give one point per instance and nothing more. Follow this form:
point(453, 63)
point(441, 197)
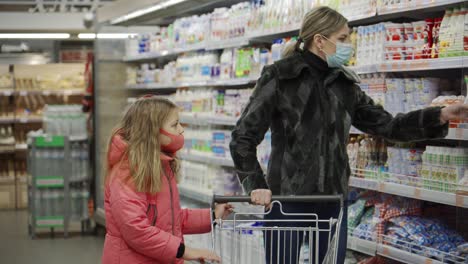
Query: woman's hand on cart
point(201, 255)
point(261, 197)
point(222, 211)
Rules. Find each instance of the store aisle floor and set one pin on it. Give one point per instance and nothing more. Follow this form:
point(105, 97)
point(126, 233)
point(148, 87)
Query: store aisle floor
point(16, 247)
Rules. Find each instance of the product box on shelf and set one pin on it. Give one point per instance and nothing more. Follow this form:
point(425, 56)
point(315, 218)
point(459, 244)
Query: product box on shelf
point(7, 195)
point(6, 79)
point(21, 193)
point(57, 76)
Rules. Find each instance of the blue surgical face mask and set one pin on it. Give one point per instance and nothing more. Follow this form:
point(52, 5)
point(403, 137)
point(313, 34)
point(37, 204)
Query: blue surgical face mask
point(343, 54)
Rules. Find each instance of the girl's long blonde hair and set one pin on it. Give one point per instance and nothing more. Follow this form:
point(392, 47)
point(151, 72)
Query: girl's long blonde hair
point(321, 20)
point(139, 128)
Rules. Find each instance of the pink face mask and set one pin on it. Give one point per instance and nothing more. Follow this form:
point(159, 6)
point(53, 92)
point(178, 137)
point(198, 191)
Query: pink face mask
point(177, 142)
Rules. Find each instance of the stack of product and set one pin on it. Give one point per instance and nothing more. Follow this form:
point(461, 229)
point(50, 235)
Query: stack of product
point(204, 66)
point(215, 143)
point(444, 169)
point(400, 224)
point(229, 23)
point(400, 95)
point(65, 120)
point(435, 168)
point(6, 79)
point(213, 102)
point(209, 179)
point(243, 19)
point(431, 38)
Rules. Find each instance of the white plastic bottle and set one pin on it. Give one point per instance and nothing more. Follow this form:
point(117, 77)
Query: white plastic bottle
point(276, 50)
point(445, 32)
point(226, 64)
point(456, 46)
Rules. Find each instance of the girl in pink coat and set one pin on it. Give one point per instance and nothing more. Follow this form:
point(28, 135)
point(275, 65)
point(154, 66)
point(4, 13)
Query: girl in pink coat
point(144, 220)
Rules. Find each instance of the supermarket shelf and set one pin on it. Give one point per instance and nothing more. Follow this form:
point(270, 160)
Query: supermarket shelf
point(361, 245)
point(414, 65)
point(6, 92)
point(403, 256)
point(7, 120)
point(51, 92)
point(410, 192)
point(194, 119)
point(457, 134)
point(156, 86)
point(194, 194)
point(229, 43)
point(356, 131)
point(78, 138)
point(21, 146)
point(8, 179)
point(373, 248)
point(8, 150)
point(26, 119)
point(227, 162)
point(418, 6)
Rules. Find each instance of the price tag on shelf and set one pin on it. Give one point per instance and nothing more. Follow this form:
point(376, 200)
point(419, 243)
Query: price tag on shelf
point(417, 193)
point(381, 187)
point(68, 92)
point(23, 120)
point(460, 200)
point(385, 251)
point(23, 93)
point(46, 93)
point(7, 93)
point(459, 133)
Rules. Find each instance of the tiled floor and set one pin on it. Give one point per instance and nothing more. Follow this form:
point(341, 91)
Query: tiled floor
point(16, 246)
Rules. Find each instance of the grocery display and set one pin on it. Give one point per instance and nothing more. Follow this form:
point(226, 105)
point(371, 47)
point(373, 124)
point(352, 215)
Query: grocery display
point(401, 223)
point(60, 173)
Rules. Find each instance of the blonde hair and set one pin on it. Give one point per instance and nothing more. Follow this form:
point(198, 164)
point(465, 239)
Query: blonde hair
point(321, 20)
point(139, 128)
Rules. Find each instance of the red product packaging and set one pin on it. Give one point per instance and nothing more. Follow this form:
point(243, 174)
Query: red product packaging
point(435, 38)
point(428, 38)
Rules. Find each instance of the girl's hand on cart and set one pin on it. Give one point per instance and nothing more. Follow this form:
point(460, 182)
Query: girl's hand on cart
point(454, 112)
point(222, 211)
point(201, 255)
point(261, 197)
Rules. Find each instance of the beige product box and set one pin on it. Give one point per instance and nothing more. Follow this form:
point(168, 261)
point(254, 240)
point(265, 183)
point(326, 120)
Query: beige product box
point(7, 195)
point(54, 76)
point(21, 194)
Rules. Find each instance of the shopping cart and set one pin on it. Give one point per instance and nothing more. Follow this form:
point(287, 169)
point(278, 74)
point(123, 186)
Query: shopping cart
point(242, 239)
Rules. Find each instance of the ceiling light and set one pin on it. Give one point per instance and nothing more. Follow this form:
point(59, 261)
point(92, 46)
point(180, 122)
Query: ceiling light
point(34, 35)
point(115, 35)
point(86, 36)
point(145, 11)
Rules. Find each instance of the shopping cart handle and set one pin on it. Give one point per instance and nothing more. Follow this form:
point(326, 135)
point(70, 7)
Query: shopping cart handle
point(282, 199)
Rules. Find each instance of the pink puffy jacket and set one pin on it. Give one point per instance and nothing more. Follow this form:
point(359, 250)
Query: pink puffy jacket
point(144, 228)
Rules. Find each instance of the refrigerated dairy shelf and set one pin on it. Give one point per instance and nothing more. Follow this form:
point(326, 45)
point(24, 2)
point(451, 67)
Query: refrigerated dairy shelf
point(50, 92)
point(410, 191)
point(229, 82)
point(361, 245)
point(7, 120)
point(263, 35)
point(21, 146)
point(196, 194)
point(207, 119)
point(414, 65)
point(227, 162)
point(373, 248)
point(417, 5)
